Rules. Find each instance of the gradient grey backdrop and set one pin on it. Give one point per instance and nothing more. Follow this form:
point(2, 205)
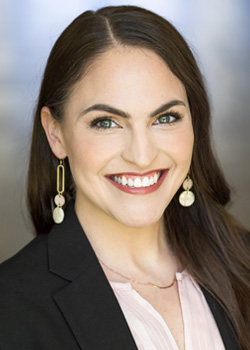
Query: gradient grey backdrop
point(218, 33)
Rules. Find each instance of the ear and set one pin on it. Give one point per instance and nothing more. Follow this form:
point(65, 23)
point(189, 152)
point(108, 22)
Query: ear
point(53, 132)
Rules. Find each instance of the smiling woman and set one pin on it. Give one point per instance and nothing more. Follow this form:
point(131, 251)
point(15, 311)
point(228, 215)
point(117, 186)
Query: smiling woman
point(146, 255)
point(137, 133)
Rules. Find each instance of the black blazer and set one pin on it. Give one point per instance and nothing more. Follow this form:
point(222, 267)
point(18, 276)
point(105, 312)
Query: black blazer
point(54, 295)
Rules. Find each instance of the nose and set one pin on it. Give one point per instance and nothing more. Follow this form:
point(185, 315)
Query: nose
point(140, 148)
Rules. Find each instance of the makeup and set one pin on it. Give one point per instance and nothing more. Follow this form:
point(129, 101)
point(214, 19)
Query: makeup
point(135, 183)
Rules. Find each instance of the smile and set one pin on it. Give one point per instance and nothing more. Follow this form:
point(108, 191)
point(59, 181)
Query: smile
point(138, 183)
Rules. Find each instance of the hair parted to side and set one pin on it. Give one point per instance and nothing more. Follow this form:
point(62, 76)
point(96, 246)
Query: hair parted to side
point(205, 238)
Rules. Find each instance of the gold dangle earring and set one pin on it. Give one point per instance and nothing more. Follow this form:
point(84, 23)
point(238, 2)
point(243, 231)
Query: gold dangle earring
point(187, 197)
point(58, 213)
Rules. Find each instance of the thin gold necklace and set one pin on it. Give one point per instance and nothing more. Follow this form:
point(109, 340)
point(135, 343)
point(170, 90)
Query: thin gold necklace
point(134, 281)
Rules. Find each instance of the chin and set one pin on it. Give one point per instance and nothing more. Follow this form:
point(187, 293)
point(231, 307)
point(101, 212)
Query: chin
point(141, 215)
point(140, 222)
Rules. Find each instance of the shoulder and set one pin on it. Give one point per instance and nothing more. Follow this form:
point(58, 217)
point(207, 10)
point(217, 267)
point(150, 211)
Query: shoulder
point(27, 261)
point(26, 297)
point(28, 310)
point(21, 275)
point(27, 272)
point(25, 278)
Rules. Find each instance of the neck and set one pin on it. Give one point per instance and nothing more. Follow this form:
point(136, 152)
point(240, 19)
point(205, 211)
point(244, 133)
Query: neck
point(138, 248)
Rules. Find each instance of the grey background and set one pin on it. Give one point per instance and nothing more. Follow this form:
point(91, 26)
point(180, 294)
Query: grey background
point(217, 31)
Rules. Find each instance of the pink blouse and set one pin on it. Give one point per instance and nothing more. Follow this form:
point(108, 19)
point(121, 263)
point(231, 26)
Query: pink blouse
point(151, 332)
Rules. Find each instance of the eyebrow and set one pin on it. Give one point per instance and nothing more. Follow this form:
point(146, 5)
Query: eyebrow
point(113, 110)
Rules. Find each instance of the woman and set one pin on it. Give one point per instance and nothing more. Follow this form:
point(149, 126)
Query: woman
point(140, 251)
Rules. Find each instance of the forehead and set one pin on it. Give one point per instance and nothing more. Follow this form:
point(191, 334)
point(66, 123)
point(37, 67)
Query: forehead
point(127, 76)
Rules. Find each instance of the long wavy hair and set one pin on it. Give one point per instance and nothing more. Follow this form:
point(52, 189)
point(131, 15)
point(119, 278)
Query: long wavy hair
point(205, 238)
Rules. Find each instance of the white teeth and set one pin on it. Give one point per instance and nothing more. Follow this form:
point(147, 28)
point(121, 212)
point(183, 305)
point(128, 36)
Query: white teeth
point(155, 178)
point(124, 181)
point(145, 182)
point(151, 180)
point(130, 183)
point(138, 182)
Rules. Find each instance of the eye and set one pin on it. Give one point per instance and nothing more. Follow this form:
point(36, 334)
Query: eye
point(168, 118)
point(164, 119)
point(103, 123)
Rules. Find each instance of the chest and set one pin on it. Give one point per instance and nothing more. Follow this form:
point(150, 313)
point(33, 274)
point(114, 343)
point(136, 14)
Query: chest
point(178, 318)
point(168, 305)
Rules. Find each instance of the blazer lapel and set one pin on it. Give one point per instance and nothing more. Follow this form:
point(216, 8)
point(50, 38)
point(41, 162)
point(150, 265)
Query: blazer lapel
point(225, 327)
point(87, 301)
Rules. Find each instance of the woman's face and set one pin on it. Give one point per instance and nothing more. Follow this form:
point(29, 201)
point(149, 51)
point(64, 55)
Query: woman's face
point(128, 136)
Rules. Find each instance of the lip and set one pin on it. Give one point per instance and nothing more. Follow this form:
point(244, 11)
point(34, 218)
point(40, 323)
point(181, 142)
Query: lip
point(141, 190)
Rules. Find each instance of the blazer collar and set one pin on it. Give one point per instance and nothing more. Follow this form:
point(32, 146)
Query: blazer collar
point(70, 252)
point(88, 302)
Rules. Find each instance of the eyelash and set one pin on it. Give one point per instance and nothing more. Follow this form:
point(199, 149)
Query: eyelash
point(94, 123)
point(175, 115)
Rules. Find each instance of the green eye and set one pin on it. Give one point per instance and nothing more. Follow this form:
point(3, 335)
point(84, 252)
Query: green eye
point(105, 123)
point(164, 119)
point(168, 118)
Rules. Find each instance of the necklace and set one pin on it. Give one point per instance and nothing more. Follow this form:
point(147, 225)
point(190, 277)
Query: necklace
point(134, 281)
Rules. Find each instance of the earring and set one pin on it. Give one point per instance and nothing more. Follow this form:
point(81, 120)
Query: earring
point(58, 213)
point(187, 197)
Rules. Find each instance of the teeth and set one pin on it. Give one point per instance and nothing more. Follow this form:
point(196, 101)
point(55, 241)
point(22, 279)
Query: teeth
point(155, 178)
point(124, 181)
point(130, 183)
point(137, 182)
point(145, 182)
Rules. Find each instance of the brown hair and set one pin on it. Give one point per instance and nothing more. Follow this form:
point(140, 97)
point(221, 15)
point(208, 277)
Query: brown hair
point(206, 239)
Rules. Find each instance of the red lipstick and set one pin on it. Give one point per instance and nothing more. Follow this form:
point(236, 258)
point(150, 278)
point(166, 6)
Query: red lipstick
point(138, 190)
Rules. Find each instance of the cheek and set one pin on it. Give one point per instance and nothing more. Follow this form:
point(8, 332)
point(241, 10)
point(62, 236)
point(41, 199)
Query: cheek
point(186, 143)
point(179, 145)
point(91, 154)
